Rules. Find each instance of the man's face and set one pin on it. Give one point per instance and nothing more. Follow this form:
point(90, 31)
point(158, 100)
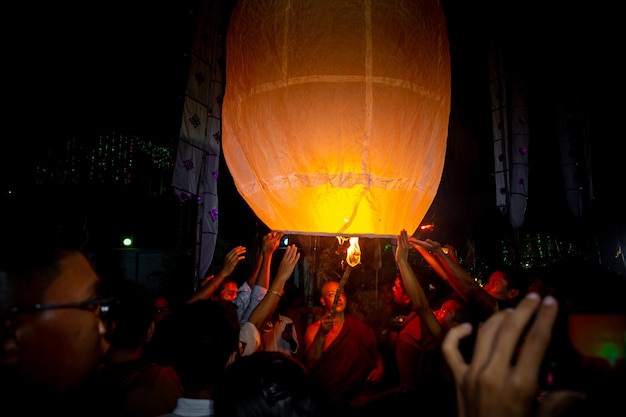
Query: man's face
point(398, 291)
point(229, 291)
point(446, 315)
point(497, 286)
point(328, 297)
point(161, 308)
point(55, 349)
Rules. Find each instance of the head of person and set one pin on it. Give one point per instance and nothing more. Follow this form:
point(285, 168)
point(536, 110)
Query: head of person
point(198, 340)
point(52, 328)
point(540, 284)
point(227, 290)
point(131, 317)
point(268, 384)
point(161, 307)
point(399, 292)
point(329, 289)
point(503, 285)
point(452, 313)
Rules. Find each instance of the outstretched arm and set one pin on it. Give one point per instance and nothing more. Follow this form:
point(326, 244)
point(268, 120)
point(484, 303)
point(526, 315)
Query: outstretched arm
point(211, 283)
point(270, 243)
point(414, 289)
point(442, 269)
point(264, 309)
point(315, 336)
point(462, 282)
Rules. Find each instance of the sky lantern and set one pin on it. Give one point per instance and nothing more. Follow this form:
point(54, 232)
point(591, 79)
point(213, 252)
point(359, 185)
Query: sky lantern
point(335, 113)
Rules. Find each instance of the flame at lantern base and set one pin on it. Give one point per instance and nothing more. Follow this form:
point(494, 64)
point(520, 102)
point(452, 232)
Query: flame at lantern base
point(353, 256)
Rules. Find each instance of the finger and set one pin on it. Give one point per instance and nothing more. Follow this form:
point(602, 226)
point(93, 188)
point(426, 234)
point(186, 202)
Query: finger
point(450, 349)
point(404, 237)
point(486, 339)
point(291, 254)
point(433, 243)
point(418, 242)
point(538, 338)
point(511, 330)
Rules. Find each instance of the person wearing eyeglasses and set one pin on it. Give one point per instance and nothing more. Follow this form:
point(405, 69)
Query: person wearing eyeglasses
point(52, 317)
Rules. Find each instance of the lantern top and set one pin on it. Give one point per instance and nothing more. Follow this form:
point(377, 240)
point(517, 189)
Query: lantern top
point(335, 114)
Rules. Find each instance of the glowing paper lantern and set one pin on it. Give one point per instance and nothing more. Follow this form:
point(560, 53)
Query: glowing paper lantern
point(599, 337)
point(335, 113)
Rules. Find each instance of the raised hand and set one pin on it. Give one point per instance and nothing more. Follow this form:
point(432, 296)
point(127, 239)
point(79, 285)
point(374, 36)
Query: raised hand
point(271, 241)
point(288, 263)
point(493, 384)
point(236, 254)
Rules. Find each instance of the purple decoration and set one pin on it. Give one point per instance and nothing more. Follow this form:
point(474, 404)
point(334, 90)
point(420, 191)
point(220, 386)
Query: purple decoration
point(521, 182)
point(213, 213)
point(188, 164)
point(523, 150)
point(199, 78)
point(199, 198)
point(219, 100)
point(523, 120)
point(215, 174)
point(195, 120)
point(183, 196)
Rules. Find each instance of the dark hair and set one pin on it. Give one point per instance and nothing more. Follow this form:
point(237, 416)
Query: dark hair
point(268, 384)
point(131, 314)
point(197, 339)
point(514, 277)
point(34, 239)
point(222, 285)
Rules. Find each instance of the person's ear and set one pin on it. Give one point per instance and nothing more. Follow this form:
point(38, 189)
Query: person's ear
point(232, 358)
point(150, 332)
point(104, 329)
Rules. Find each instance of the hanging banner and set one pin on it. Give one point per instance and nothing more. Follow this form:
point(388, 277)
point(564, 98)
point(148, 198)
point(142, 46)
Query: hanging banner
point(199, 147)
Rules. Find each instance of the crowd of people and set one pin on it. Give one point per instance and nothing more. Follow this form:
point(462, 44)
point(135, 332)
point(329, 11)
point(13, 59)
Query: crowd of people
point(73, 343)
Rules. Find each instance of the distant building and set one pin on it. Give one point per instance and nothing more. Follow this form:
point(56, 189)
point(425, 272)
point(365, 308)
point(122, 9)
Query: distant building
point(111, 160)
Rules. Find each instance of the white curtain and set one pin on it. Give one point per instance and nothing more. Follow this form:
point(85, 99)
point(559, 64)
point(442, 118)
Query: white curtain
point(198, 155)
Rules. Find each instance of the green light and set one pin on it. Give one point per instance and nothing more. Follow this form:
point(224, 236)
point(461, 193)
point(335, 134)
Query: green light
point(127, 242)
point(610, 352)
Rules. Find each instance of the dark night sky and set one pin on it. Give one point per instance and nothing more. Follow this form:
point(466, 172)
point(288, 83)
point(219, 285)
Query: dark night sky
point(115, 65)
point(79, 69)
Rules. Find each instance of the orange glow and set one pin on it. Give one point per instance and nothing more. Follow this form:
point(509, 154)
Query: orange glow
point(353, 256)
point(335, 114)
point(427, 227)
point(599, 336)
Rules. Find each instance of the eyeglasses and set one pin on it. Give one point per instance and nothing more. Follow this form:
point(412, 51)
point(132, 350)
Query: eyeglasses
point(102, 305)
